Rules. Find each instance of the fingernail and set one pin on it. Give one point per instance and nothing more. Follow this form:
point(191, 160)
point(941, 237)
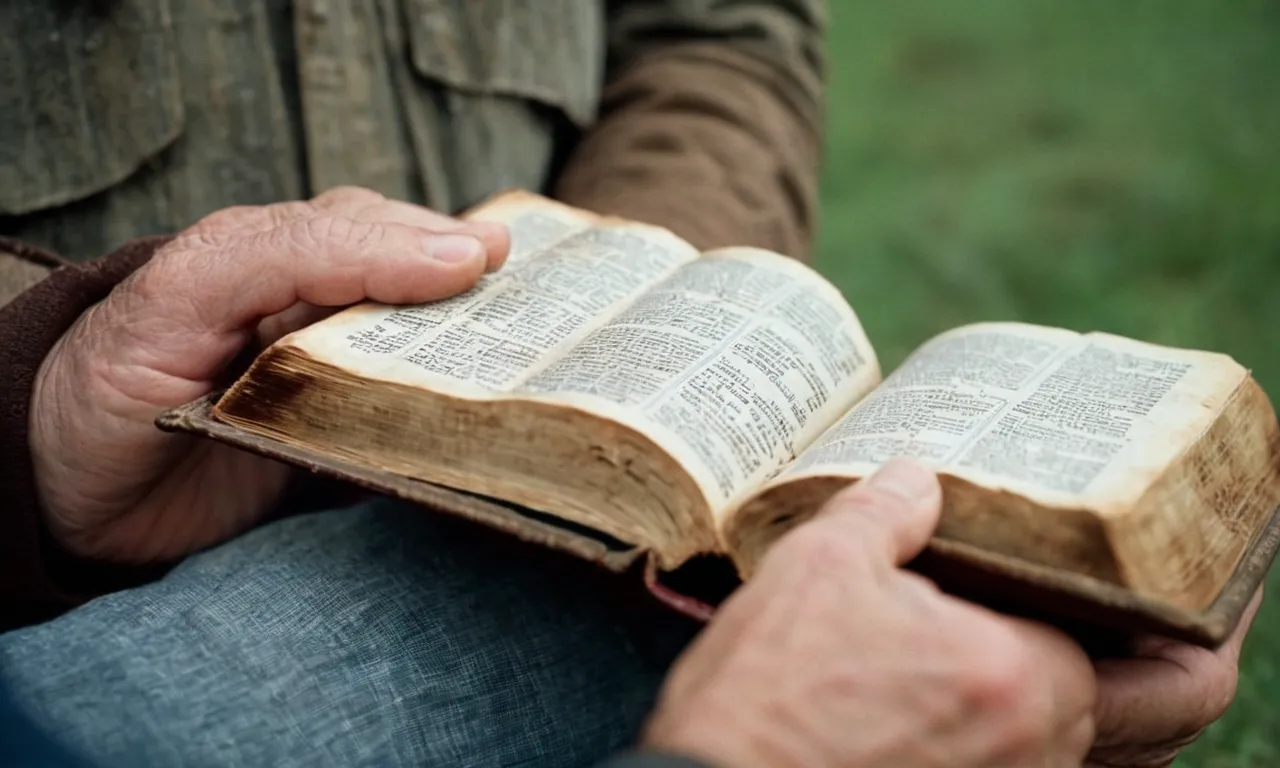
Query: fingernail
point(454, 249)
point(905, 479)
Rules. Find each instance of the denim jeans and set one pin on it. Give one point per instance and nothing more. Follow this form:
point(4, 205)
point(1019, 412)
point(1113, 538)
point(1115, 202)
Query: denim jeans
point(375, 635)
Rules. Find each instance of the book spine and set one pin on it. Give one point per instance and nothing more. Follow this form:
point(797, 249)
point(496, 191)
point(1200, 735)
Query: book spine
point(689, 606)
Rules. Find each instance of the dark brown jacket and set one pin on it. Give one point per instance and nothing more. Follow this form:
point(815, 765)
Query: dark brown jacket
point(133, 118)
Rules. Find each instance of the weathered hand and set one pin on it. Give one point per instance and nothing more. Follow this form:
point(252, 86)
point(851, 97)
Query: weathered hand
point(1152, 706)
point(113, 486)
point(832, 655)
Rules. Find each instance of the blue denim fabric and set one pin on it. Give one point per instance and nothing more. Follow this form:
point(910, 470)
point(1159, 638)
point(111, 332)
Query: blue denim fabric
point(25, 745)
point(377, 635)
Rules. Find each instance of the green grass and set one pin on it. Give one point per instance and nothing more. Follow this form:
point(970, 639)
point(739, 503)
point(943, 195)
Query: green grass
point(1095, 164)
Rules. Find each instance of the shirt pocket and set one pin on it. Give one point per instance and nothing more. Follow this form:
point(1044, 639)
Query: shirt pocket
point(503, 78)
point(90, 92)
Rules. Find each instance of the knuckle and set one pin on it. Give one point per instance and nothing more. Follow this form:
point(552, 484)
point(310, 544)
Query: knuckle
point(168, 269)
point(243, 220)
point(279, 213)
point(1220, 692)
point(194, 239)
point(996, 683)
point(302, 236)
point(1082, 737)
point(920, 583)
point(823, 549)
point(147, 284)
point(870, 503)
point(997, 673)
point(323, 232)
point(1026, 732)
point(347, 195)
point(870, 520)
point(318, 230)
point(229, 219)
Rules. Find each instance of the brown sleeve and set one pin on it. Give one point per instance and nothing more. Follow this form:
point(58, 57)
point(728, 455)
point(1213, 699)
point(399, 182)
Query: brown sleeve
point(710, 123)
point(36, 580)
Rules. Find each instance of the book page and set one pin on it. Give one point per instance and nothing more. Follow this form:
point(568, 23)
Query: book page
point(1060, 417)
point(513, 322)
point(733, 363)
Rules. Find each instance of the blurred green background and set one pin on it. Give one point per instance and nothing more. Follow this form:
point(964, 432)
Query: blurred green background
point(1096, 164)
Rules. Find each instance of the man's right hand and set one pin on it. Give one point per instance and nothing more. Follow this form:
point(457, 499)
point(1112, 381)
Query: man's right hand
point(833, 655)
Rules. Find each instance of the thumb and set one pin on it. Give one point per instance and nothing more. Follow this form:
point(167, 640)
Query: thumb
point(207, 293)
point(333, 261)
point(894, 511)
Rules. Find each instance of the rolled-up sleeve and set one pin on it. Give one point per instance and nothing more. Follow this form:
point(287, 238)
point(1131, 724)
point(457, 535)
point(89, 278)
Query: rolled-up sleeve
point(711, 122)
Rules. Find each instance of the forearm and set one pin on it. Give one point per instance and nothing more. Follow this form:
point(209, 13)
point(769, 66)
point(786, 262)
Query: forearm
point(710, 123)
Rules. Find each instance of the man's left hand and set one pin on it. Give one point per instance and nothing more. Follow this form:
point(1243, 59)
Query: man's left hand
point(114, 488)
point(1151, 706)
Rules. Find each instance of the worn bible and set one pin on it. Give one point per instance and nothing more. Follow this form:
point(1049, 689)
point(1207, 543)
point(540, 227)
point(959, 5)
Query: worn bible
point(614, 393)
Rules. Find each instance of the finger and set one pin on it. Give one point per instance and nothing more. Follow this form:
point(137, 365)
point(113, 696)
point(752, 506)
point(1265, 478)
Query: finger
point(1231, 648)
point(1032, 685)
point(218, 292)
point(1064, 664)
point(366, 205)
point(352, 201)
point(1077, 740)
point(1172, 690)
point(1156, 700)
point(1064, 676)
point(334, 261)
point(894, 511)
point(1157, 646)
point(296, 317)
point(1138, 755)
point(357, 204)
point(493, 236)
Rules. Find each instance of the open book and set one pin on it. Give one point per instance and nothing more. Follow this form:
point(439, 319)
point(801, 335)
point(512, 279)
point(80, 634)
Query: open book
point(612, 377)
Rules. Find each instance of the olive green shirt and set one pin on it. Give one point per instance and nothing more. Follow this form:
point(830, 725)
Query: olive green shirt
point(124, 118)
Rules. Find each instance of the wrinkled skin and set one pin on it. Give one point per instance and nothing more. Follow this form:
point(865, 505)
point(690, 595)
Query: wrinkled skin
point(833, 655)
point(115, 488)
point(1152, 706)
